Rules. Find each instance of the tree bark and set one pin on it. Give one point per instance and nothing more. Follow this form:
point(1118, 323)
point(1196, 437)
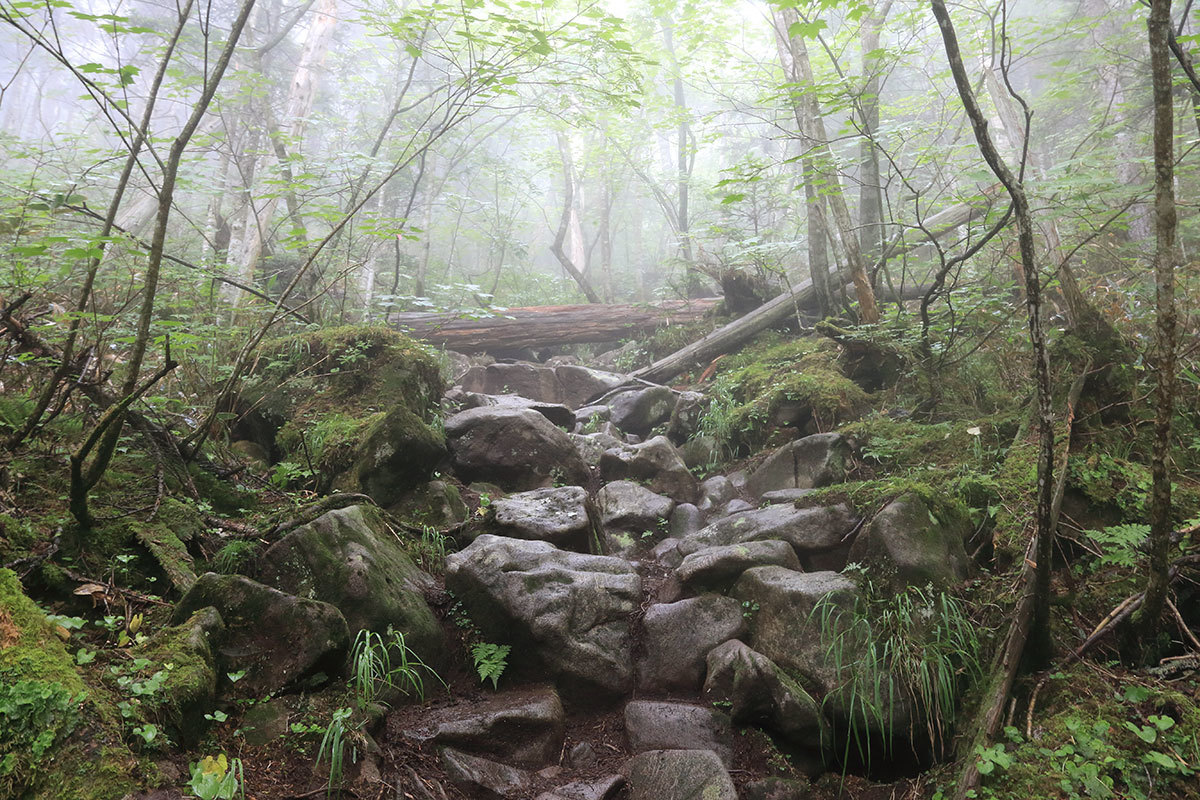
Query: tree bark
point(542, 326)
point(564, 223)
point(793, 55)
point(870, 196)
point(1166, 256)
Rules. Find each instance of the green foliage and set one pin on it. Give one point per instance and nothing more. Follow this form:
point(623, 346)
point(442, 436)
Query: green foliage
point(217, 778)
point(490, 660)
point(1112, 481)
point(915, 651)
point(338, 733)
point(34, 716)
point(234, 556)
point(1120, 544)
point(380, 663)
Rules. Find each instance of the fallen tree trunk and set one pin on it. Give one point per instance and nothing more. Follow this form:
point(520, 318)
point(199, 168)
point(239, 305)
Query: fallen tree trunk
point(540, 326)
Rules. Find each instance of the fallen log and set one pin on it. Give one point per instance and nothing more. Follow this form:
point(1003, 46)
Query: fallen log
point(540, 326)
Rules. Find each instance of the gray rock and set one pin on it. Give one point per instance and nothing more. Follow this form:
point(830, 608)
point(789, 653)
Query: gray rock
point(777, 789)
point(582, 755)
point(567, 384)
point(186, 695)
point(785, 495)
point(717, 490)
point(678, 726)
point(564, 613)
point(686, 519)
point(656, 462)
point(604, 788)
point(557, 413)
point(349, 559)
point(484, 778)
point(516, 449)
point(812, 462)
point(667, 552)
point(591, 446)
point(265, 722)
point(679, 775)
point(735, 506)
point(555, 515)
point(278, 638)
point(820, 536)
point(760, 693)
point(591, 417)
point(397, 452)
point(700, 452)
point(679, 637)
point(639, 411)
point(716, 568)
point(628, 506)
point(437, 504)
point(907, 545)
point(525, 728)
point(783, 627)
point(685, 417)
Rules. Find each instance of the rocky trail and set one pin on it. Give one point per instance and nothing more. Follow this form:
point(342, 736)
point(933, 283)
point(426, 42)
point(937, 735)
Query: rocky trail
point(667, 634)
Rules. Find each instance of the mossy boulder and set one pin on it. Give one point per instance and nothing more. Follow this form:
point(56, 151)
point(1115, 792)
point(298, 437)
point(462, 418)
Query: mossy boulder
point(58, 738)
point(190, 688)
point(349, 559)
point(437, 504)
point(278, 638)
point(912, 543)
point(358, 404)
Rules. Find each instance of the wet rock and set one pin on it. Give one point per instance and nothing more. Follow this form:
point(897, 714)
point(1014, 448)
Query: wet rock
point(820, 536)
point(700, 452)
point(349, 559)
point(516, 449)
point(760, 693)
point(591, 446)
point(641, 410)
point(679, 775)
point(784, 495)
point(656, 462)
point(685, 417)
point(525, 728)
point(265, 722)
point(605, 788)
point(590, 418)
point(735, 506)
point(557, 413)
point(627, 506)
point(484, 778)
point(277, 638)
point(782, 626)
point(189, 690)
point(564, 613)
point(680, 635)
point(686, 519)
point(667, 552)
point(716, 568)
point(907, 545)
point(570, 385)
point(678, 726)
point(555, 515)
point(437, 504)
point(398, 452)
point(582, 755)
point(812, 462)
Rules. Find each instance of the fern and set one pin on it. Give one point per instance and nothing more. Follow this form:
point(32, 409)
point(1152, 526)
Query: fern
point(1120, 544)
point(490, 660)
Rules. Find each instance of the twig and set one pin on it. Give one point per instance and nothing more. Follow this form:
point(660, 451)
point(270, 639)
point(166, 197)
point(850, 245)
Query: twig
point(134, 595)
point(1183, 625)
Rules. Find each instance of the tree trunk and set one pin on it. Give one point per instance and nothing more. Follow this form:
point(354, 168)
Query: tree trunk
point(564, 223)
point(683, 161)
point(1166, 256)
point(793, 54)
point(870, 197)
point(548, 325)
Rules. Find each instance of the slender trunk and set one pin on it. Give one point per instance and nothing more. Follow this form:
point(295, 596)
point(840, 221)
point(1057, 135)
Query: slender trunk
point(870, 198)
point(683, 161)
point(1166, 256)
point(793, 55)
point(564, 223)
point(1039, 645)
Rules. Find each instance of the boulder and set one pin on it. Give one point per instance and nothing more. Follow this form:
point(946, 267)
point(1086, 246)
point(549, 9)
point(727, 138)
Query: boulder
point(782, 624)
point(907, 544)
point(557, 413)
point(591, 446)
point(525, 728)
point(685, 417)
point(716, 491)
point(686, 519)
point(570, 385)
point(564, 613)
point(278, 638)
point(812, 462)
point(189, 690)
point(605, 788)
point(437, 504)
point(349, 559)
point(484, 778)
point(628, 506)
point(555, 515)
point(640, 411)
point(759, 693)
point(785, 495)
point(678, 726)
point(518, 449)
point(679, 775)
point(820, 536)
point(700, 452)
point(397, 452)
point(656, 462)
point(716, 568)
point(678, 637)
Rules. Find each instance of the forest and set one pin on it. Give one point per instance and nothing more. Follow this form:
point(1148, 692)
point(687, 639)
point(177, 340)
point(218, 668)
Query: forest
point(599, 400)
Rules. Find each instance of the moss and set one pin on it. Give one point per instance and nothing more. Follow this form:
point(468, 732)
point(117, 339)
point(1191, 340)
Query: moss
point(795, 384)
point(76, 749)
point(868, 497)
point(224, 497)
point(186, 656)
point(170, 553)
point(182, 519)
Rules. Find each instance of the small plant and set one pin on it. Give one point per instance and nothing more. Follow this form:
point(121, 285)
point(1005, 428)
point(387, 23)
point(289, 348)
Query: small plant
point(234, 555)
point(333, 749)
point(374, 670)
point(490, 660)
point(217, 778)
point(749, 609)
